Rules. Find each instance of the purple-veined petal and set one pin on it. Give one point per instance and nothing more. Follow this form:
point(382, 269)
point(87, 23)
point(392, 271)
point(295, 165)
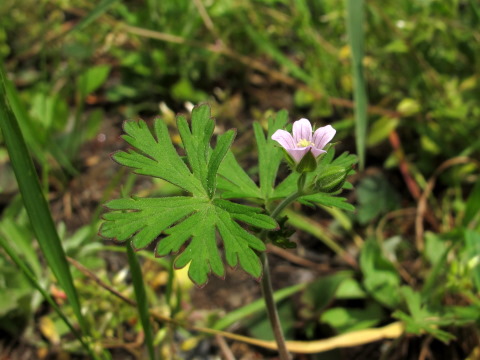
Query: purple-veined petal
point(299, 153)
point(302, 130)
point(317, 152)
point(323, 135)
point(284, 138)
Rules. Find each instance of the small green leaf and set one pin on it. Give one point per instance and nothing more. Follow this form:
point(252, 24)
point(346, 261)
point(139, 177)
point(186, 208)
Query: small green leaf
point(345, 320)
point(269, 155)
point(381, 279)
point(327, 200)
point(93, 78)
point(320, 293)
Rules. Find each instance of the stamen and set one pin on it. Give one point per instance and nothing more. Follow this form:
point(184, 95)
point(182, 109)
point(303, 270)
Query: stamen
point(304, 143)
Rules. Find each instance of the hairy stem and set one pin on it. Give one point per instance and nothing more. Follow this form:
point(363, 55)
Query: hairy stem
point(267, 288)
point(287, 201)
point(272, 311)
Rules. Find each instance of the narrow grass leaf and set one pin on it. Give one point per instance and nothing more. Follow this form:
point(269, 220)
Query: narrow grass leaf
point(264, 44)
point(472, 207)
point(142, 302)
point(29, 130)
point(255, 306)
point(302, 222)
point(34, 281)
point(101, 8)
point(35, 203)
point(355, 21)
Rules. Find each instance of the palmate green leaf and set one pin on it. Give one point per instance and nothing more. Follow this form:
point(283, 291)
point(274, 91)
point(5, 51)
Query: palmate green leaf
point(189, 223)
point(235, 182)
point(156, 156)
point(269, 155)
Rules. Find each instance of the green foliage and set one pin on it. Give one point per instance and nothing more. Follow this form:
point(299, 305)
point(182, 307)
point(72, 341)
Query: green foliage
point(332, 179)
point(35, 203)
point(235, 183)
point(269, 155)
point(344, 319)
point(303, 45)
point(318, 294)
point(93, 78)
point(196, 217)
point(420, 318)
point(142, 303)
point(380, 277)
point(355, 30)
point(375, 197)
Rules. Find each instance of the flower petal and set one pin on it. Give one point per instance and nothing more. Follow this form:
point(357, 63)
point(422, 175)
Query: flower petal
point(302, 130)
point(284, 138)
point(317, 152)
point(323, 135)
point(299, 153)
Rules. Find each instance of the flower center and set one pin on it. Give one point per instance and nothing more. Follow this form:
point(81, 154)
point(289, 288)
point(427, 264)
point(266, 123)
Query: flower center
point(304, 143)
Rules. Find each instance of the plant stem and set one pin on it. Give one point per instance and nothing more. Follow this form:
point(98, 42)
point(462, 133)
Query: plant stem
point(272, 312)
point(287, 201)
point(267, 288)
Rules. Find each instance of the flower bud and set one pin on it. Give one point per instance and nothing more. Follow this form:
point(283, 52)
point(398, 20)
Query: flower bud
point(331, 180)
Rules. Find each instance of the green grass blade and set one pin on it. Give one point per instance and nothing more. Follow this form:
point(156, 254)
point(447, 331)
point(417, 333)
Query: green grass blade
point(265, 45)
point(255, 306)
point(22, 242)
point(33, 280)
point(23, 120)
point(141, 296)
point(355, 19)
point(93, 15)
point(301, 222)
point(35, 203)
point(29, 129)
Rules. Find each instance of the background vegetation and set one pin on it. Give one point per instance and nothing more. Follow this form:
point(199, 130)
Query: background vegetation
point(76, 69)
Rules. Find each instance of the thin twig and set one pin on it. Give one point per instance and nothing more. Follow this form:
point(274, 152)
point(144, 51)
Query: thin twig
point(207, 20)
point(404, 167)
point(100, 282)
point(224, 348)
point(422, 202)
point(295, 259)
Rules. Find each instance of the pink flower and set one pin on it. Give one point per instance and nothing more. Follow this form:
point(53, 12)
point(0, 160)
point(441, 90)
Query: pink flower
point(303, 141)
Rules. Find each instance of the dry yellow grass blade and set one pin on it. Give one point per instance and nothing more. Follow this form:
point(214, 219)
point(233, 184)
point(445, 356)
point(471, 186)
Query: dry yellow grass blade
point(354, 338)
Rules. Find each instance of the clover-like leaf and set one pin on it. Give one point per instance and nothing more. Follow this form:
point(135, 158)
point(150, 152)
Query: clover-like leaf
point(190, 224)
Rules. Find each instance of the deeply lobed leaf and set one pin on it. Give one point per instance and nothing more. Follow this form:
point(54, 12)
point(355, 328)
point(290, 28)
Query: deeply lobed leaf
point(190, 223)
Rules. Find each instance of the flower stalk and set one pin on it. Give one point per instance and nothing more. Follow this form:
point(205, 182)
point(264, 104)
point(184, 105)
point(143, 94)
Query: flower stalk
point(266, 282)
